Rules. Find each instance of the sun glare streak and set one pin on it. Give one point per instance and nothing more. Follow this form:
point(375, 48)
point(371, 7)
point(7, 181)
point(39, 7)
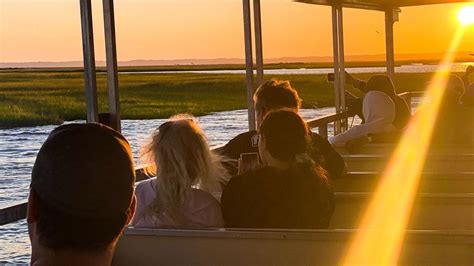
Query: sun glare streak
point(380, 239)
point(466, 15)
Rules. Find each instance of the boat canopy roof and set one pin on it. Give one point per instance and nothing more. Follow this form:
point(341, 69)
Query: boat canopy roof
point(380, 4)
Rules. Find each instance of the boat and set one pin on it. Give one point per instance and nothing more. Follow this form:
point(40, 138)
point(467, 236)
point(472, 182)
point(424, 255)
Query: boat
point(439, 232)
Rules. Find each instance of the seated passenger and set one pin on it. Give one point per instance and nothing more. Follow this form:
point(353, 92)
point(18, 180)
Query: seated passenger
point(274, 95)
point(290, 191)
point(455, 120)
point(384, 84)
point(186, 173)
point(468, 98)
point(81, 196)
point(379, 112)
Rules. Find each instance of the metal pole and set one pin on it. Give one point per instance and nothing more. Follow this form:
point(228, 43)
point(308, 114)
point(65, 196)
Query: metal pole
point(258, 41)
point(89, 61)
point(111, 58)
point(335, 41)
point(249, 63)
point(389, 21)
point(342, 77)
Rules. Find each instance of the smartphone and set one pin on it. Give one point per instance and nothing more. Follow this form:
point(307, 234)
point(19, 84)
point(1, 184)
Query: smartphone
point(248, 161)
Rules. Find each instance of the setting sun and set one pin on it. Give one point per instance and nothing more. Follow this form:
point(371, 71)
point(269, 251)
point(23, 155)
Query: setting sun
point(466, 15)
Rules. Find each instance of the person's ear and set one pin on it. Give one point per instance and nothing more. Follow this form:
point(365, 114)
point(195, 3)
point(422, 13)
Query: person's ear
point(32, 209)
point(131, 209)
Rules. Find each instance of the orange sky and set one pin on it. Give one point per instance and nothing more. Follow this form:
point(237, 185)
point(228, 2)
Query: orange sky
point(49, 30)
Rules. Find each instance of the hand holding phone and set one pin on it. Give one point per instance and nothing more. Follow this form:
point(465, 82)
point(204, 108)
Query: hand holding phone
point(248, 162)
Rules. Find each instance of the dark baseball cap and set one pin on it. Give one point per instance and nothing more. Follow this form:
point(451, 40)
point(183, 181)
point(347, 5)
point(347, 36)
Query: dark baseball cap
point(85, 170)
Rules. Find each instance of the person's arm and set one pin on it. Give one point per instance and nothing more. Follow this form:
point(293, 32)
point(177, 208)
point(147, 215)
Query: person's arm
point(356, 83)
point(333, 162)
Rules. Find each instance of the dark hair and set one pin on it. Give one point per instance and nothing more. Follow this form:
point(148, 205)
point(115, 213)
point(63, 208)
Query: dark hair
point(82, 180)
point(285, 133)
point(287, 138)
point(276, 94)
point(105, 119)
point(60, 231)
point(381, 83)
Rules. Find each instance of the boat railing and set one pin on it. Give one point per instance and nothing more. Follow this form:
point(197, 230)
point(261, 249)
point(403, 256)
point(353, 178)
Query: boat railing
point(18, 212)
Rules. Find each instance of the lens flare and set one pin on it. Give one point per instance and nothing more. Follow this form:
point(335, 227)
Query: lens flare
point(466, 15)
point(380, 239)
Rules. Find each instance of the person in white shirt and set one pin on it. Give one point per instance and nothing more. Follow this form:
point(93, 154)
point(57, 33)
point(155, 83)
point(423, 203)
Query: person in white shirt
point(379, 113)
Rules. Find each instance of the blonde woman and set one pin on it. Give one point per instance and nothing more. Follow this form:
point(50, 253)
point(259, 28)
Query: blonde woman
point(187, 172)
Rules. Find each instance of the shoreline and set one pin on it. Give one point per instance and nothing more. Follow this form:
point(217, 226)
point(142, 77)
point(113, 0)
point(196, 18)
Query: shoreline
point(39, 98)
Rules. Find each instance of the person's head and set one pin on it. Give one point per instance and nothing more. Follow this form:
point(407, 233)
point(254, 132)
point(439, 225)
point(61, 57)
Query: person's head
point(454, 90)
point(381, 83)
point(273, 95)
point(283, 136)
point(81, 192)
point(377, 107)
point(182, 159)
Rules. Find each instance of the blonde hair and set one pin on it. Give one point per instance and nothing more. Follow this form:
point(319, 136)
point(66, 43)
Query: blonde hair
point(182, 160)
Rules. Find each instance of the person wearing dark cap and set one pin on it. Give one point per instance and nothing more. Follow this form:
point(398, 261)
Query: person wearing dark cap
point(274, 95)
point(384, 84)
point(81, 195)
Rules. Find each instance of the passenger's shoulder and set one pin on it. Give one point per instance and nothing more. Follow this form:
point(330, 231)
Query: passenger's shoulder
point(145, 186)
point(243, 137)
point(319, 141)
point(203, 196)
point(315, 137)
point(240, 144)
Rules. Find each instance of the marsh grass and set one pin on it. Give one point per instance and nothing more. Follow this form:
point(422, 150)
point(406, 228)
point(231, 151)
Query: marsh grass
point(31, 98)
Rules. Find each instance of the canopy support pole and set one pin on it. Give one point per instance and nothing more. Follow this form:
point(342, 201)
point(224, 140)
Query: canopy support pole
point(258, 41)
point(112, 69)
point(390, 52)
point(90, 82)
point(249, 63)
point(342, 69)
point(339, 76)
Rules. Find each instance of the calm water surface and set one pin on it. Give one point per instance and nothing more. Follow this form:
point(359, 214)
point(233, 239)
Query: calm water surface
point(18, 149)
point(413, 68)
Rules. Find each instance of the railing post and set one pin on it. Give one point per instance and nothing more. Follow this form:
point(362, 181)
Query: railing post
point(258, 41)
point(391, 16)
point(249, 63)
point(112, 69)
point(335, 41)
point(323, 131)
point(89, 61)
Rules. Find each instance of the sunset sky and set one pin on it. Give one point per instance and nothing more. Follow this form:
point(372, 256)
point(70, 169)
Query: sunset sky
point(49, 30)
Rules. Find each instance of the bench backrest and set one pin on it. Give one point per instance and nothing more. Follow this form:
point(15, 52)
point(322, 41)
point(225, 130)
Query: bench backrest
point(433, 163)
point(430, 211)
point(429, 182)
point(324, 247)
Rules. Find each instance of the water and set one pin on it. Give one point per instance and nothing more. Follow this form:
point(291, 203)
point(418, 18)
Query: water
point(18, 149)
point(413, 68)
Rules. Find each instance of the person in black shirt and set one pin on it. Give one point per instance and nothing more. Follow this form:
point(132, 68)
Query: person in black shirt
point(384, 84)
point(274, 95)
point(290, 191)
